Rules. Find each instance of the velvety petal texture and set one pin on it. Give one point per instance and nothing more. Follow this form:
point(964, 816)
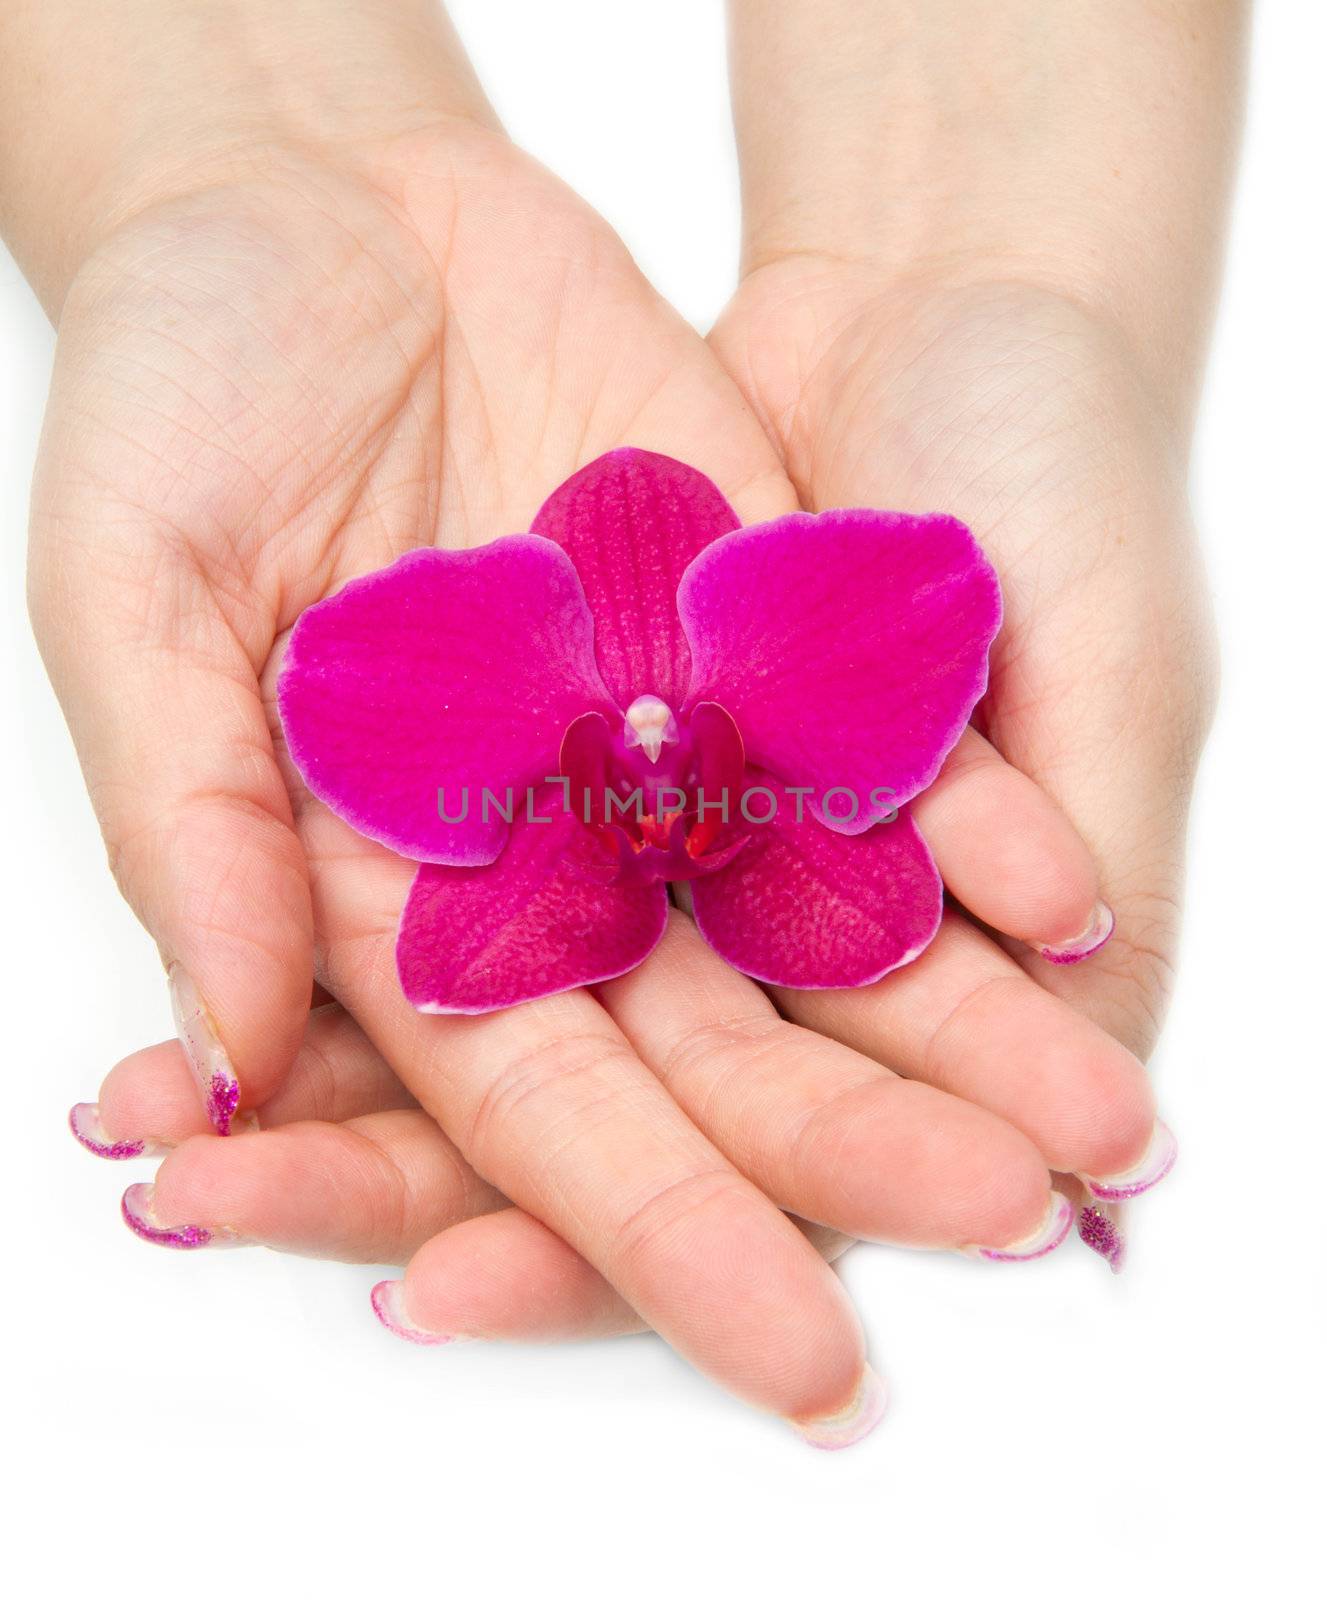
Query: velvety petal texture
point(809, 908)
point(537, 921)
point(631, 522)
point(473, 710)
point(451, 670)
point(849, 648)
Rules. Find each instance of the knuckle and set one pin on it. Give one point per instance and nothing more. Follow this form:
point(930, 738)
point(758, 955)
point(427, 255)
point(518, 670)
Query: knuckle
point(513, 1110)
point(696, 1200)
point(821, 1143)
point(714, 1050)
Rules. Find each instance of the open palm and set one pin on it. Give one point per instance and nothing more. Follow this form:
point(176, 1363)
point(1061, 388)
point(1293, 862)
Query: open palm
point(275, 385)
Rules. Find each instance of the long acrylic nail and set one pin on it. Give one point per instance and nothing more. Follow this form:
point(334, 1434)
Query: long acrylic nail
point(388, 1300)
point(86, 1126)
point(1145, 1174)
point(1100, 1230)
point(1100, 926)
point(842, 1428)
point(211, 1065)
point(1050, 1235)
point(136, 1209)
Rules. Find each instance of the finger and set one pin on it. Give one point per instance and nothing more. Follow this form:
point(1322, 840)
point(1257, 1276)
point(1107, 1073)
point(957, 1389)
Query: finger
point(149, 1101)
point(1010, 854)
point(372, 1189)
point(162, 701)
point(965, 1018)
point(1129, 798)
point(504, 1275)
point(550, 1104)
point(821, 1129)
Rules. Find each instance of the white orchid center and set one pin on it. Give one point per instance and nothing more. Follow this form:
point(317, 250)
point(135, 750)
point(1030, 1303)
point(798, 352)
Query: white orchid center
point(649, 724)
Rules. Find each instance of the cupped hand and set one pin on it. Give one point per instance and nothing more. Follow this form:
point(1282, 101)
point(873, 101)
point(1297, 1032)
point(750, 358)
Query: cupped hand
point(282, 381)
point(1030, 416)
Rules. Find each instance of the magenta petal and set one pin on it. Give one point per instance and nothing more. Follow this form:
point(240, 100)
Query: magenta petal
point(631, 523)
point(850, 648)
point(809, 908)
point(533, 923)
point(451, 671)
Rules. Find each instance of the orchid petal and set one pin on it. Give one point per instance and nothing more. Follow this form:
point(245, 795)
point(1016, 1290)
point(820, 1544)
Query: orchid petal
point(808, 908)
point(631, 522)
point(850, 648)
point(533, 923)
point(448, 673)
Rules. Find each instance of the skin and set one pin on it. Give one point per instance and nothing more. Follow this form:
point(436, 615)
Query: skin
point(981, 249)
point(302, 332)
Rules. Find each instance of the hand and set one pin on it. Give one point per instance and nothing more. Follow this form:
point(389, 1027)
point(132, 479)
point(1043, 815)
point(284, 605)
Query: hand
point(977, 277)
point(349, 1165)
point(1027, 417)
point(273, 382)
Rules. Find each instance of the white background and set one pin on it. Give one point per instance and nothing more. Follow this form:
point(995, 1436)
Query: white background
point(238, 1422)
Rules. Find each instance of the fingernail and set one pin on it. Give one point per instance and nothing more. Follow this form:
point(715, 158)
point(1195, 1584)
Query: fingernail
point(211, 1065)
point(85, 1125)
point(842, 1428)
point(1050, 1235)
point(1157, 1160)
point(1100, 926)
point(1100, 1232)
point(388, 1300)
point(136, 1209)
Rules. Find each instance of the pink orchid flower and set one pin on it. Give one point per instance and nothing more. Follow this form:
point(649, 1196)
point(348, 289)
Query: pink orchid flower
point(770, 698)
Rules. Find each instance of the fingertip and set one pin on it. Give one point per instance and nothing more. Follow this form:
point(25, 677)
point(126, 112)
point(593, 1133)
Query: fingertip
point(850, 1423)
point(506, 1276)
point(151, 1095)
point(240, 983)
point(1006, 850)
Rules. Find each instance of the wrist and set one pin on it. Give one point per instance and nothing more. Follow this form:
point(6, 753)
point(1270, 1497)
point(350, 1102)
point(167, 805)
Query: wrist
point(98, 124)
point(1078, 149)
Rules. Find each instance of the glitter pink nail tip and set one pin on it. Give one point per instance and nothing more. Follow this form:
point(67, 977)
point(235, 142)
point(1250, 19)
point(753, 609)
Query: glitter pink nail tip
point(1072, 951)
point(136, 1209)
point(1050, 1236)
point(860, 1417)
point(1155, 1164)
point(223, 1098)
point(388, 1300)
point(211, 1065)
point(1099, 1233)
point(85, 1125)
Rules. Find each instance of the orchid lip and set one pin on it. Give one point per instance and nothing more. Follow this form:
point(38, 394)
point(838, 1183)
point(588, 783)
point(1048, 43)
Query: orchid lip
point(655, 799)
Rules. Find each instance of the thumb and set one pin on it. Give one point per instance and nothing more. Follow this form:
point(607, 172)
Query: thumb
point(163, 703)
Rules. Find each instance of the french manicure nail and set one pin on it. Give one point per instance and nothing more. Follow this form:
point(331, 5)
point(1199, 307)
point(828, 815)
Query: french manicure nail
point(1050, 1235)
point(1100, 926)
point(211, 1065)
point(136, 1209)
point(388, 1300)
point(1099, 1231)
point(1145, 1174)
point(86, 1126)
point(842, 1428)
